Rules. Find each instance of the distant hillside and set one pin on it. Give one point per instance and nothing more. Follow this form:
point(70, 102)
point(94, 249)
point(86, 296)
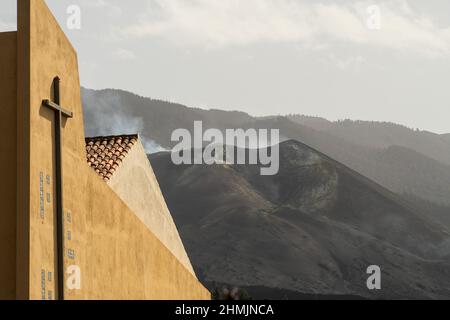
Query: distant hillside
point(399, 169)
point(408, 171)
point(382, 135)
point(401, 159)
point(312, 229)
point(439, 213)
point(446, 137)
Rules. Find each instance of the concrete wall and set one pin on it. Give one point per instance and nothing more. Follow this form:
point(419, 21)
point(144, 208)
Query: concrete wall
point(8, 128)
point(119, 257)
point(136, 184)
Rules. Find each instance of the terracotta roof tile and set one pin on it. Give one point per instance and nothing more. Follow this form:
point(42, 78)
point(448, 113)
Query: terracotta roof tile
point(105, 154)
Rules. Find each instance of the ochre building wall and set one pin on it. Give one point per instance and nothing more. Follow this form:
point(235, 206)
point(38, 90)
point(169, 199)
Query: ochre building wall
point(119, 257)
point(8, 128)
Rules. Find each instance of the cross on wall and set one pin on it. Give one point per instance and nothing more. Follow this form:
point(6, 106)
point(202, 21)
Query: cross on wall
point(59, 112)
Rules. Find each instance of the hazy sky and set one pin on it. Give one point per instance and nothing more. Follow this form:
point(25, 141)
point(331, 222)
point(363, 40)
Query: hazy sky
point(270, 56)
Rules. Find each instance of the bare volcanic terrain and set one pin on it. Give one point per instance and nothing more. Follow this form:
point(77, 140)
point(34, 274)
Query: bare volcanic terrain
point(312, 230)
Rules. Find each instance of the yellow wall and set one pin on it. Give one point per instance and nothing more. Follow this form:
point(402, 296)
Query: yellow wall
point(119, 257)
point(8, 92)
point(116, 250)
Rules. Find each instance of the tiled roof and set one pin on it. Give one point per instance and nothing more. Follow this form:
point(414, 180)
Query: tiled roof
point(105, 154)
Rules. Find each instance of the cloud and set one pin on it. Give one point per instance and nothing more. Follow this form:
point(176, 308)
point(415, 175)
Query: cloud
point(219, 23)
point(346, 63)
point(112, 10)
point(123, 54)
point(5, 26)
point(152, 146)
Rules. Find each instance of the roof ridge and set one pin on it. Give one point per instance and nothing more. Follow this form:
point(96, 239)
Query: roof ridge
point(136, 135)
